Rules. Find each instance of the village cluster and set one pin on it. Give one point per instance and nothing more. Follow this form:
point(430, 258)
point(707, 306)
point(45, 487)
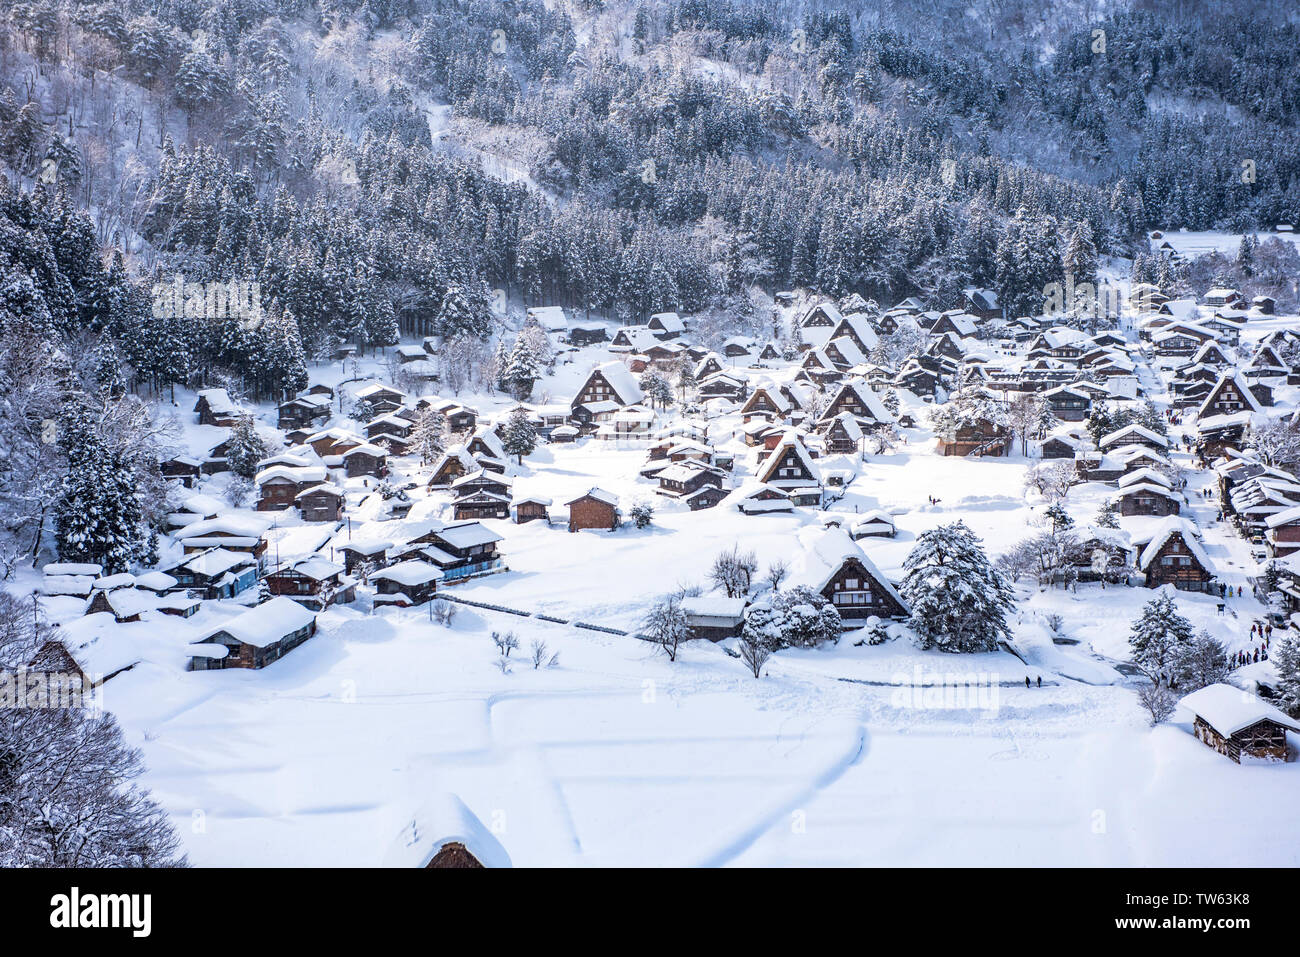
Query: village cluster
point(369, 488)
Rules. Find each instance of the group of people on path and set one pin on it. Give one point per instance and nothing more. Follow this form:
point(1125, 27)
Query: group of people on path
point(1261, 632)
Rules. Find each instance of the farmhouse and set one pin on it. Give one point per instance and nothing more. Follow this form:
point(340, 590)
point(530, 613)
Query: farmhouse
point(595, 509)
point(836, 567)
point(314, 581)
point(320, 503)
point(713, 617)
point(1175, 557)
point(789, 466)
point(1238, 724)
point(412, 582)
point(215, 407)
point(1228, 396)
point(256, 638)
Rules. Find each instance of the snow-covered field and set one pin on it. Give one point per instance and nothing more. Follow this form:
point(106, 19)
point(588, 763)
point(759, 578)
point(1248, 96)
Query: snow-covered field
point(618, 757)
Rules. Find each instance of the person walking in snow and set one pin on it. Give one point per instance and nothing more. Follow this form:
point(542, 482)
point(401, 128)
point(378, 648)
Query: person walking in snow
point(1040, 681)
point(1026, 681)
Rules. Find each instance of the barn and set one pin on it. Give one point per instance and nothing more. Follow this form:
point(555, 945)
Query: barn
point(596, 509)
point(255, 638)
point(1236, 723)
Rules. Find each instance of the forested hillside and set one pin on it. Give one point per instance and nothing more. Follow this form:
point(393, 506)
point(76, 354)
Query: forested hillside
point(416, 166)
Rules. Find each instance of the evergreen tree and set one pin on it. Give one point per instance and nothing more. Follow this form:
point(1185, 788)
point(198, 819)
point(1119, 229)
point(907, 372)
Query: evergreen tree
point(429, 436)
point(521, 370)
point(1285, 656)
point(521, 437)
point(246, 448)
point(99, 514)
point(959, 600)
point(1158, 639)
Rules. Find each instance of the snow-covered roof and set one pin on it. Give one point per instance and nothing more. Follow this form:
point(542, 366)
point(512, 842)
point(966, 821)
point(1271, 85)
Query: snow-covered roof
point(264, 624)
point(155, 581)
point(217, 560)
point(1167, 529)
point(1134, 428)
point(668, 321)
point(73, 568)
point(443, 820)
point(609, 498)
point(218, 400)
point(1144, 475)
point(297, 474)
point(410, 572)
point(550, 318)
point(714, 606)
point(1252, 404)
point(467, 534)
point(824, 552)
point(622, 382)
point(1228, 710)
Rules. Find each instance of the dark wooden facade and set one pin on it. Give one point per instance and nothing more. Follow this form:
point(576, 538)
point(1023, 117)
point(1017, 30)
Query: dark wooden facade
point(591, 512)
point(1263, 739)
point(857, 594)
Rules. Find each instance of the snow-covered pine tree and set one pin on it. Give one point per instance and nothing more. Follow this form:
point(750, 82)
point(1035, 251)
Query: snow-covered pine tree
point(521, 370)
point(1158, 638)
point(959, 600)
point(1285, 656)
point(246, 448)
point(99, 516)
point(520, 435)
point(429, 436)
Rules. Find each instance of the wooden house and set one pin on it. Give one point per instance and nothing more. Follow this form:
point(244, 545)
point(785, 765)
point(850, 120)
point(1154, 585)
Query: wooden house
point(365, 459)
point(411, 582)
point(304, 411)
point(713, 617)
point(1236, 723)
point(666, 325)
point(278, 486)
point(1230, 395)
point(313, 581)
point(321, 503)
point(451, 465)
point(822, 314)
point(215, 407)
point(843, 435)
point(833, 565)
point(215, 573)
point(609, 383)
point(1174, 556)
point(789, 466)
point(1283, 532)
point(1068, 404)
point(255, 638)
point(982, 303)
point(532, 508)
point(979, 437)
point(594, 509)
point(382, 399)
point(1147, 492)
point(765, 402)
point(181, 469)
point(587, 334)
point(858, 400)
point(235, 533)
point(357, 554)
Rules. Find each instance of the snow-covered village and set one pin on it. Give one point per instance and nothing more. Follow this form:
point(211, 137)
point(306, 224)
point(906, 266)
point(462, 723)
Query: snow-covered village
point(401, 484)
